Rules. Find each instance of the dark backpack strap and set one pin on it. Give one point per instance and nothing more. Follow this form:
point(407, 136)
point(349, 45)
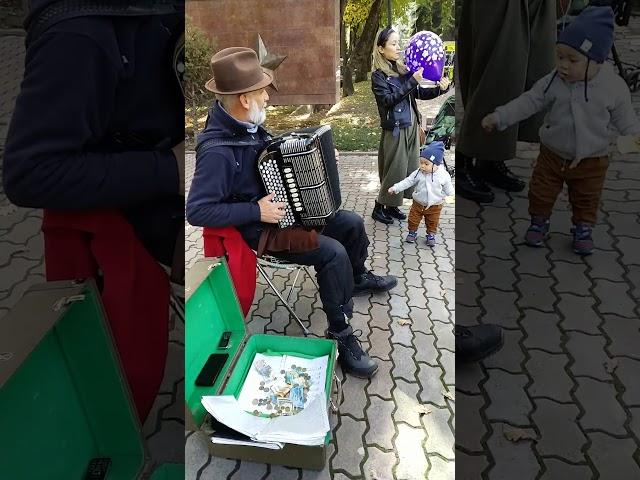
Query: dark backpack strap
point(224, 142)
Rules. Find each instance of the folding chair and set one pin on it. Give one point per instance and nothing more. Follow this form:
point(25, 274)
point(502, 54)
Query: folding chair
point(267, 261)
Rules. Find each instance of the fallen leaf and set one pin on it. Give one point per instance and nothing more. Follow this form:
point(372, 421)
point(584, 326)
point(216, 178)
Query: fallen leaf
point(610, 365)
point(404, 321)
point(423, 409)
point(514, 434)
point(449, 395)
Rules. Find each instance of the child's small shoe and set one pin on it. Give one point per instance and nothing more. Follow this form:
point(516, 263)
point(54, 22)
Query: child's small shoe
point(537, 232)
point(431, 240)
point(582, 241)
point(411, 237)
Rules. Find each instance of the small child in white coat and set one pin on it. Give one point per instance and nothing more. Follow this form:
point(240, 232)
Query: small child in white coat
point(432, 184)
point(583, 98)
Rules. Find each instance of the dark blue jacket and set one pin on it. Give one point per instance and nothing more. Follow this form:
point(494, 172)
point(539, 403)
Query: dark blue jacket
point(226, 186)
point(396, 99)
point(94, 123)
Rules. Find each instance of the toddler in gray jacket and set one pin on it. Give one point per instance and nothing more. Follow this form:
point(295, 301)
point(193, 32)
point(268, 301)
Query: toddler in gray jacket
point(583, 97)
point(432, 183)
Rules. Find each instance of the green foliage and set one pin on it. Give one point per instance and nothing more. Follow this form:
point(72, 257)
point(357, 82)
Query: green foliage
point(437, 16)
point(198, 51)
point(354, 121)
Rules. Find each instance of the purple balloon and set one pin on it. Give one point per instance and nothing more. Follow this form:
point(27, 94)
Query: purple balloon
point(426, 50)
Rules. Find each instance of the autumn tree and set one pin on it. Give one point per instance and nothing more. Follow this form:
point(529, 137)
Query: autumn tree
point(198, 51)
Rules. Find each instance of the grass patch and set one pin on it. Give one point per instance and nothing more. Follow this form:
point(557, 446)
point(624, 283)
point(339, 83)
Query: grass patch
point(354, 120)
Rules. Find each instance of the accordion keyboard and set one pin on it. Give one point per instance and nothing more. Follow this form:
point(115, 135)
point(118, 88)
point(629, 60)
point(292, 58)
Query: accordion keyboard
point(273, 184)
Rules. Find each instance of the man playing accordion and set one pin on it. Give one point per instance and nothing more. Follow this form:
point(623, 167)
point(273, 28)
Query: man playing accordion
point(227, 191)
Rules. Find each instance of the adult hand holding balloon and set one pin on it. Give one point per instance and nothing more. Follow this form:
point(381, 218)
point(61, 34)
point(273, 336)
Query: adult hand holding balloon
point(425, 50)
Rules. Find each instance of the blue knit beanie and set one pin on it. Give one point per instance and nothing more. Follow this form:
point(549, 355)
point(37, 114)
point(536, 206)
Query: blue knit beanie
point(590, 33)
point(434, 152)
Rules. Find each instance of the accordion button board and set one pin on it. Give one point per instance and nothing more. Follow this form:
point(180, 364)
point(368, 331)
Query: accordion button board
point(274, 184)
point(303, 175)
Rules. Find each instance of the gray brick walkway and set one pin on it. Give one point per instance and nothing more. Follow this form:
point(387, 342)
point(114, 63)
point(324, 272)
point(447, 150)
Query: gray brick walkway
point(378, 433)
point(569, 370)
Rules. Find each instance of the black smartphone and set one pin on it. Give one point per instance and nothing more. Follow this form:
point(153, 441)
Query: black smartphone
point(211, 369)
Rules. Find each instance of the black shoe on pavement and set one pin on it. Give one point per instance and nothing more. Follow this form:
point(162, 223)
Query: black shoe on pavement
point(371, 283)
point(351, 355)
point(499, 175)
point(468, 184)
point(394, 212)
point(379, 215)
point(477, 342)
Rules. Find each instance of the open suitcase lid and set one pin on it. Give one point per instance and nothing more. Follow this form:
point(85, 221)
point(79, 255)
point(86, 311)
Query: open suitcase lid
point(212, 308)
point(63, 396)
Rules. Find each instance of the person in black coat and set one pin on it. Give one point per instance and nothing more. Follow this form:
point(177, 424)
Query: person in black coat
point(396, 90)
point(99, 120)
point(226, 191)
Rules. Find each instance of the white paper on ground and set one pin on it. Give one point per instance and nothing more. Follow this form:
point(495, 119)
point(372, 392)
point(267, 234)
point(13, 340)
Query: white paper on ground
point(308, 427)
point(230, 441)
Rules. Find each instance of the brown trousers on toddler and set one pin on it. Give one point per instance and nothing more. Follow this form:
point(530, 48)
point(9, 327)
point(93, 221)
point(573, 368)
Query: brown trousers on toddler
point(431, 217)
point(585, 182)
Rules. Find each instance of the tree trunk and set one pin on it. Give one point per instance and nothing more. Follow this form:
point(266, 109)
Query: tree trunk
point(363, 48)
point(194, 113)
point(347, 78)
point(436, 17)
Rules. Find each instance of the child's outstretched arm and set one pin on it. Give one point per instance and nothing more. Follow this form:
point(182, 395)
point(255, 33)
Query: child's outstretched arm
point(530, 102)
point(447, 186)
point(623, 116)
point(410, 181)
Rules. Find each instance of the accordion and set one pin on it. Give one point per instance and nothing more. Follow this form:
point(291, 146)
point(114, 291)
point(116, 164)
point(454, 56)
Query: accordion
point(300, 168)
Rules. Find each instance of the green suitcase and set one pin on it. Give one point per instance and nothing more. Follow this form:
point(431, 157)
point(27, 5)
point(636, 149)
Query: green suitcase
point(63, 397)
point(212, 308)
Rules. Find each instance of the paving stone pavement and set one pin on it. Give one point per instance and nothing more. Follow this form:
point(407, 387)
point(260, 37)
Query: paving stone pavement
point(569, 370)
point(22, 265)
point(378, 433)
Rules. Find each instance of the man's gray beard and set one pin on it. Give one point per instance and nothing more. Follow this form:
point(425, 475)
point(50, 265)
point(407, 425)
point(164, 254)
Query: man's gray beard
point(257, 116)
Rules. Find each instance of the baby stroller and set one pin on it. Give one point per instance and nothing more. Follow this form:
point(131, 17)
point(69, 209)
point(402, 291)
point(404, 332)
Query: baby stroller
point(568, 9)
point(444, 127)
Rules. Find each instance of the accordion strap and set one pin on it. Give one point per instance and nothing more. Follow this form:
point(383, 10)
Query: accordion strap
point(224, 142)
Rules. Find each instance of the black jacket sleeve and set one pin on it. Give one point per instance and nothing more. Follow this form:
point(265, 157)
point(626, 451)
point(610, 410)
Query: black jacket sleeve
point(429, 92)
point(207, 204)
point(63, 111)
point(389, 96)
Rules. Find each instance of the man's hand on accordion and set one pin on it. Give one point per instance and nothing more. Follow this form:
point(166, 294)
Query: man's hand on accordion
point(270, 211)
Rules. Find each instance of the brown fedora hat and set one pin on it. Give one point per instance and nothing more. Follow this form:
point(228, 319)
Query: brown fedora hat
point(237, 70)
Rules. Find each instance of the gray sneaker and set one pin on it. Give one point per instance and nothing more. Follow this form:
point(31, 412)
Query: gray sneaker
point(351, 356)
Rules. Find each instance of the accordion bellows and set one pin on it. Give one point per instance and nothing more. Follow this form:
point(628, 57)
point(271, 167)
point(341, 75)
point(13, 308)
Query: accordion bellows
point(300, 168)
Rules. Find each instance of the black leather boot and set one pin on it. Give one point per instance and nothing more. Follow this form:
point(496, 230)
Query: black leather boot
point(468, 184)
point(394, 212)
point(351, 355)
point(499, 175)
point(478, 342)
point(380, 216)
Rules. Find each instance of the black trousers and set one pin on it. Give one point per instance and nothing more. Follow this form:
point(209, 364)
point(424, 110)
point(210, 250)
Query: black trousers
point(341, 253)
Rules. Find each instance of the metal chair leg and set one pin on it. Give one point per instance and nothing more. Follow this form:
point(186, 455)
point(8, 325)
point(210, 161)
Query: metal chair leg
point(284, 302)
point(312, 277)
point(293, 285)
